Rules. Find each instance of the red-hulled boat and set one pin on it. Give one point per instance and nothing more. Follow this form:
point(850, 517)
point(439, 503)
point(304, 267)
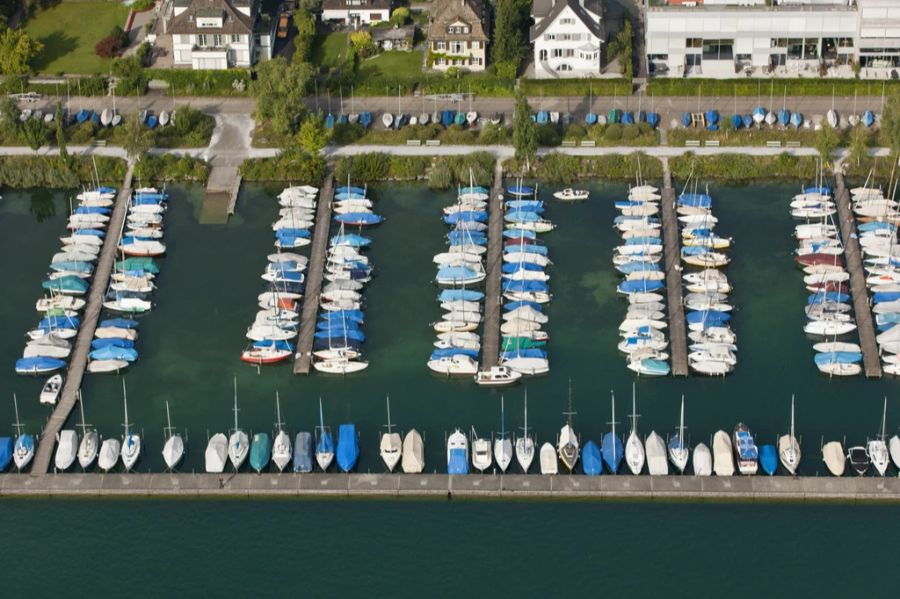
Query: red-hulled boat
point(814, 259)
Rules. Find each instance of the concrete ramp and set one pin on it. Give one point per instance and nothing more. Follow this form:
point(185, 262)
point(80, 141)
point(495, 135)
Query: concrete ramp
point(221, 195)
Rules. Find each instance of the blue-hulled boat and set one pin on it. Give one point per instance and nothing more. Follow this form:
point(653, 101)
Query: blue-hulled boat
point(520, 191)
point(653, 119)
point(329, 121)
point(759, 114)
point(591, 461)
point(352, 240)
point(519, 233)
point(111, 352)
point(83, 115)
point(342, 119)
point(359, 219)
point(120, 323)
point(784, 117)
point(6, 452)
point(303, 452)
point(797, 119)
point(868, 118)
point(469, 295)
point(365, 119)
point(38, 365)
point(590, 118)
point(838, 357)
point(747, 120)
point(260, 452)
point(447, 117)
point(113, 341)
point(347, 447)
point(351, 189)
point(768, 459)
point(640, 286)
point(543, 117)
point(627, 118)
point(708, 317)
point(736, 121)
point(152, 121)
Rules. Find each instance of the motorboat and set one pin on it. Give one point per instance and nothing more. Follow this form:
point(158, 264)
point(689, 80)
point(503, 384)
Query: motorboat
point(497, 376)
point(833, 456)
point(482, 456)
point(745, 449)
point(413, 458)
point(702, 462)
point(66, 449)
point(859, 459)
point(768, 459)
point(457, 364)
point(549, 461)
point(458, 453)
point(723, 454)
point(569, 195)
point(391, 447)
point(50, 390)
point(789, 447)
point(657, 464)
point(302, 461)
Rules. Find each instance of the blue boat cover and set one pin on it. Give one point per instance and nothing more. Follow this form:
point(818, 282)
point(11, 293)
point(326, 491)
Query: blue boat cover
point(510, 306)
point(352, 240)
point(520, 190)
point(612, 451)
point(350, 189)
point(92, 210)
point(476, 237)
point(513, 267)
point(524, 286)
point(653, 119)
point(526, 248)
point(447, 117)
point(111, 352)
point(352, 218)
point(638, 266)
point(446, 352)
point(695, 200)
point(591, 462)
point(289, 233)
point(748, 121)
point(6, 452)
point(114, 341)
point(457, 462)
point(868, 118)
point(797, 119)
point(478, 216)
point(347, 447)
point(303, 451)
point(768, 459)
point(517, 233)
point(835, 296)
point(707, 316)
point(38, 364)
point(746, 447)
point(350, 195)
point(351, 334)
point(879, 297)
point(627, 118)
point(736, 121)
point(838, 357)
point(712, 116)
point(274, 344)
point(522, 216)
point(121, 323)
point(532, 352)
point(640, 286)
point(784, 117)
point(59, 322)
point(337, 325)
point(469, 295)
point(354, 315)
point(686, 119)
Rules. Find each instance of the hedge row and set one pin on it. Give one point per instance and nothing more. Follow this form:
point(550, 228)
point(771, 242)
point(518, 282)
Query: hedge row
point(741, 167)
point(752, 87)
point(566, 169)
point(52, 172)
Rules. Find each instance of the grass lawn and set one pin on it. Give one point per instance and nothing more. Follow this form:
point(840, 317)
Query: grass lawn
point(394, 63)
point(69, 32)
point(329, 50)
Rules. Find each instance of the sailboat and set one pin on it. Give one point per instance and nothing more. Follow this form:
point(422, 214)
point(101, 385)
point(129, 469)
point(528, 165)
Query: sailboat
point(281, 448)
point(109, 454)
point(131, 443)
point(173, 449)
point(634, 449)
point(549, 461)
point(567, 444)
point(324, 443)
point(390, 447)
point(525, 444)
point(789, 447)
point(216, 453)
point(679, 451)
point(833, 456)
point(877, 448)
point(238, 443)
point(702, 462)
point(260, 452)
point(723, 454)
point(90, 439)
point(611, 446)
point(503, 445)
point(413, 460)
point(23, 450)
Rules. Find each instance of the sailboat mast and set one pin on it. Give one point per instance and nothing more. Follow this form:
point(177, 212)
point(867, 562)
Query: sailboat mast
point(235, 406)
point(16, 407)
point(681, 425)
point(168, 419)
point(883, 418)
point(279, 424)
point(125, 402)
point(502, 418)
point(633, 410)
point(388, 402)
point(321, 418)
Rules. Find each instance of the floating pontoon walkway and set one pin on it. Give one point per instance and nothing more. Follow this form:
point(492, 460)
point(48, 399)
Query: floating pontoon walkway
point(443, 486)
point(853, 259)
point(315, 272)
point(672, 252)
point(79, 359)
point(490, 349)
point(222, 188)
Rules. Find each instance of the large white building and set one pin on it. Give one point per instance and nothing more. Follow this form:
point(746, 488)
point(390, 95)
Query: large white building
point(219, 34)
point(726, 38)
point(567, 37)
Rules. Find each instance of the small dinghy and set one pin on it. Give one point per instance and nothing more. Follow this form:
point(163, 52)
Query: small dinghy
point(50, 390)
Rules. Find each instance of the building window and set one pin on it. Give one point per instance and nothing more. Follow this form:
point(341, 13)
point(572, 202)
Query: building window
point(235, 38)
point(694, 42)
point(440, 46)
point(567, 21)
point(564, 67)
point(217, 41)
point(477, 60)
point(476, 45)
point(202, 40)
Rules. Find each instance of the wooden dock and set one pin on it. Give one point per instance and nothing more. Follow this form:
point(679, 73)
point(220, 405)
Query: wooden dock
point(853, 259)
point(490, 346)
point(314, 275)
point(743, 489)
point(672, 252)
point(79, 357)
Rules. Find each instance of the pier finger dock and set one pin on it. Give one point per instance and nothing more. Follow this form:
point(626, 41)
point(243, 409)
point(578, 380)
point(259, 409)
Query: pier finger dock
point(672, 252)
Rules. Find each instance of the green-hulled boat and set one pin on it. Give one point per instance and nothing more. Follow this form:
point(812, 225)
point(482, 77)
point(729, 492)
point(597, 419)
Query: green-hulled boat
point(512, 343)
point(260, 452)
point(138, 263)
point(67, 285)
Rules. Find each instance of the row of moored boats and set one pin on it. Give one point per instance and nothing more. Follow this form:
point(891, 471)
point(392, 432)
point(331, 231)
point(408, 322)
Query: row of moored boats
point(277, 321)
point(712, 349)
point(643, 330)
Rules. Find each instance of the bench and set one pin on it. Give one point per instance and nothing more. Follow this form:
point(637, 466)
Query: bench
point(569, 143)
point(793, 144)
point(712, 143)
point(433, 142)
point(692, 143)
point(773, 144)
point(98, 143)
point(588, 143)
point(414, 142)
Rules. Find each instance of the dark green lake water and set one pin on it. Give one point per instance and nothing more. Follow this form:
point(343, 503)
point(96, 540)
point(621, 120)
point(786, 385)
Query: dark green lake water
point(189, 349)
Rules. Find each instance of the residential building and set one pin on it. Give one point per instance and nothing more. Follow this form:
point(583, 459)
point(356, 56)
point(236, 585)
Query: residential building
point(567, 36)
point(219, 34)
point(356, 12)
point(394, 38)
point(458, 35)
point(793, 38)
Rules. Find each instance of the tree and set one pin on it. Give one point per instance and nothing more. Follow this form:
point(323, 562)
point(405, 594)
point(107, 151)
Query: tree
point(61, 134)
point(138, 139)
point(361, 44)
point(279, 90)
point(508, 44)
point(17, 50)
point(826, 141)
point(312, 135)
point(890, 122)
point(524, 131)
point(400, 16)
point(33, 133)
point(620, 47)
point(9, 111)
point(305, 23)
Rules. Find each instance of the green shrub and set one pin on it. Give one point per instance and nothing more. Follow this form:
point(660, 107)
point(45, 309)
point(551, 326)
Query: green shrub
point(373, 166)
point(169, 167)
point(548, 135)
point(576, 87)
point(630, 132)
point(613, 132)
point(665, 86)
point(51, 172)
point(743, 167)
point(187, 82)
point(293, 165)
point(440, 176)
